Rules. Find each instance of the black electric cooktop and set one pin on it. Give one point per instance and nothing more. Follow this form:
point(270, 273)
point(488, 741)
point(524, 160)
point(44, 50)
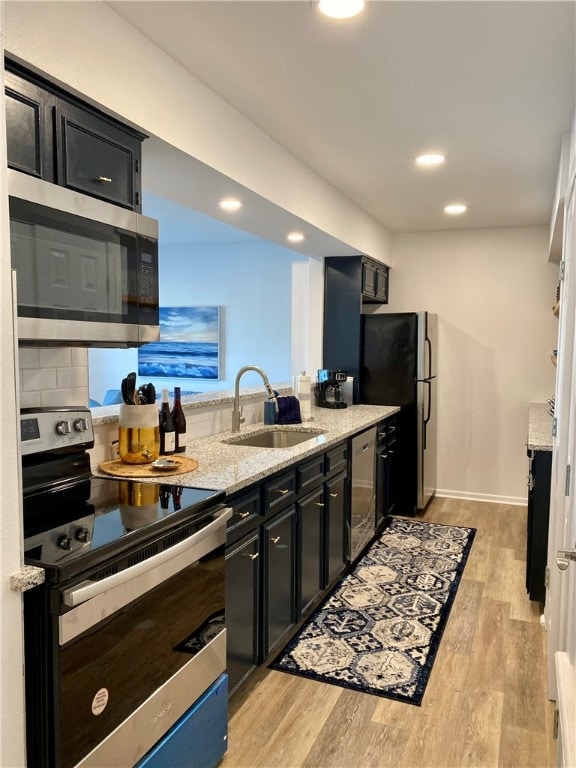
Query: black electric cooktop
point(76, 526)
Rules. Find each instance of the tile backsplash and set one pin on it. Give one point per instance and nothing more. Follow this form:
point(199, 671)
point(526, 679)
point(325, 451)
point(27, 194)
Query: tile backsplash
point(53, 376)
point(57, 376)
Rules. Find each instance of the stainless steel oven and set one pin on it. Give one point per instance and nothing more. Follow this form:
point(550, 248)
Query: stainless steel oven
point(86, 270)
point(128, 630)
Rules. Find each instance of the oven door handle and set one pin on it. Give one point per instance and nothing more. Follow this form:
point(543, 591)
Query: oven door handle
point(87, 590)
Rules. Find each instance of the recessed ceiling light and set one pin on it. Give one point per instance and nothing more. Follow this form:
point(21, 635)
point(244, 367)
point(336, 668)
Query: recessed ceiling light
point(455, 208)
point(341, 9)
point(295, 237)
point(230, 204)
point(430, 160)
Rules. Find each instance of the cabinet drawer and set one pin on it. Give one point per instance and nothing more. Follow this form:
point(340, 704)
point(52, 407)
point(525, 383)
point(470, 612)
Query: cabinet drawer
point(310, 474)
point(279, 492)
point(97, 158)
point(386, 431)
point(337, 459)
point(245, 515)
point(381, 433)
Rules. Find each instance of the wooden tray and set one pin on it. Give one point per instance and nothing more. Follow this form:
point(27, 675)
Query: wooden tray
point(120, 469)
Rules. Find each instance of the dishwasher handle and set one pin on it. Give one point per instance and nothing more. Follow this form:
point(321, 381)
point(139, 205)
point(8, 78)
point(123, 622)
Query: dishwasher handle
point(89, 589)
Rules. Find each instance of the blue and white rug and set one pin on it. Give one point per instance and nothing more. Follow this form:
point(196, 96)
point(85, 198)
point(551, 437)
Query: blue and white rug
point(379, 630)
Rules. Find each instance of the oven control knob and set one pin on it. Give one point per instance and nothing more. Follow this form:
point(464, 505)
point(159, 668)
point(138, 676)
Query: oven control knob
point(63, 427)
point(82, 534)
point(64, 541)
point(81, 425)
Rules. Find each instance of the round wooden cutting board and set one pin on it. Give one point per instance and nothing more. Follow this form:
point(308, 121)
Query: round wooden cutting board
point(118, 468)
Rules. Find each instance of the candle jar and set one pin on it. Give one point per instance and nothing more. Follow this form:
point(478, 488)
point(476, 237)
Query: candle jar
point(138, 433)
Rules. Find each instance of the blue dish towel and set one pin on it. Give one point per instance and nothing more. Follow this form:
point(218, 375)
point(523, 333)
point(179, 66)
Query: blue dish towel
point(288, 410)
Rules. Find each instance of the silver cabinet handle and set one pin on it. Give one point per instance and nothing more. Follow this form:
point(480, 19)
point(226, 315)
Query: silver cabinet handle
point(383, 455)
point(251, 555)
point(282, 491)
point(242, 515)
point(274, 539)
point(319, 504)
point(104, 180)
point(334, 495)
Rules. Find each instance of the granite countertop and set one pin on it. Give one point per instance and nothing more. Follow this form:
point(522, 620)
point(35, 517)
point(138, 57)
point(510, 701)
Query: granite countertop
point(539, 427)
point(233, 467)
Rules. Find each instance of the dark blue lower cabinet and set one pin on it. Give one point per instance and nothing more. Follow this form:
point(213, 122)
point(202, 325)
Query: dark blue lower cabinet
point(200, 738)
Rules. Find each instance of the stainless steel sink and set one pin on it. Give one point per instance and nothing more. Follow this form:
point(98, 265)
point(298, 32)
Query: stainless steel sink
point(276, 437)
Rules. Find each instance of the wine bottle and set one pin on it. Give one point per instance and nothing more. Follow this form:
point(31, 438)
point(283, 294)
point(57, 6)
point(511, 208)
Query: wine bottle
point(167, 433)
point(177, 497)
point(179, 422)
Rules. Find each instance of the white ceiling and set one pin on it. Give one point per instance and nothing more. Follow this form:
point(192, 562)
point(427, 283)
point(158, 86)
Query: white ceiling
point(491, 84)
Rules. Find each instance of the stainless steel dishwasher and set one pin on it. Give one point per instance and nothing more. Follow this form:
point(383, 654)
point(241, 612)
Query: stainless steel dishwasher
point(363, 492)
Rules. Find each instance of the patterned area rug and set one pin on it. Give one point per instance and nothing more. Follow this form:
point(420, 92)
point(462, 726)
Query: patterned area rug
point(379, 630)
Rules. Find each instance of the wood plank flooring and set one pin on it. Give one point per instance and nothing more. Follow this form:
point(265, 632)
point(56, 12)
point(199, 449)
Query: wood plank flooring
point(485, 704)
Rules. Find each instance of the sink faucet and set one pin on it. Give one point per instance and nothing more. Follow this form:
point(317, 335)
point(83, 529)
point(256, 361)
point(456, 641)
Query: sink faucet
point(237, 418)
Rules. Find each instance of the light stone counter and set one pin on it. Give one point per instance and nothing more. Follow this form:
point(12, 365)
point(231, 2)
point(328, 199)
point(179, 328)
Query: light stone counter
point(233, 467)
point(539, 427)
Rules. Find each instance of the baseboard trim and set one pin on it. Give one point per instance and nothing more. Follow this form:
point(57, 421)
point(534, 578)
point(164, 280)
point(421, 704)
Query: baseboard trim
point(492, 498)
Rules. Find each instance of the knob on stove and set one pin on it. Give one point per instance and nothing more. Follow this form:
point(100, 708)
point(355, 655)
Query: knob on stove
point(81, 425)
point(82, 534)
point(64, 541)
point(63, 427)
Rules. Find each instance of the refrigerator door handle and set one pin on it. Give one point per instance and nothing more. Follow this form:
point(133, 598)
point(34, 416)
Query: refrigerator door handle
point(429, 374)
point(428, 383)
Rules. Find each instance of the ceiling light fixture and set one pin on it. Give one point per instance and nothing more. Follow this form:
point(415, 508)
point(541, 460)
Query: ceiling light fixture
point(430, 160)
point(455, 209)
point(295, 237)
point(230, 204)
point(340, 9)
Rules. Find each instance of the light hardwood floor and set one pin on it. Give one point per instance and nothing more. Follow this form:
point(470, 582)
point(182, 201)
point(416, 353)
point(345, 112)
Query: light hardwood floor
point(485, 703)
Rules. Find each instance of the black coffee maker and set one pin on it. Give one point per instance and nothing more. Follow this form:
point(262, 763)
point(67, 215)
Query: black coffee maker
point(328, 390)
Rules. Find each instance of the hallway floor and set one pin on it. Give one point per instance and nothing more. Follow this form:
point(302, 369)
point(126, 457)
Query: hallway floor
point(485, 704)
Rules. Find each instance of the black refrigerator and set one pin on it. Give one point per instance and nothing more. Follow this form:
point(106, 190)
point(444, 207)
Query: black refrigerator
point(398, 367)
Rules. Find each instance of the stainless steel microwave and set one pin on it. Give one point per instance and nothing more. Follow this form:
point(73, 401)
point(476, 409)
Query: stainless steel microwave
point(86, 270)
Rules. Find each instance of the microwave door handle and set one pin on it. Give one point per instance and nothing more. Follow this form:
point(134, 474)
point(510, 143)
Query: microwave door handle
point(89, 589)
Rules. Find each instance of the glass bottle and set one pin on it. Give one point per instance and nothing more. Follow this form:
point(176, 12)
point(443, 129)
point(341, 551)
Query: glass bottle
point(177, 497)
point(179, 422)
point(167, 433)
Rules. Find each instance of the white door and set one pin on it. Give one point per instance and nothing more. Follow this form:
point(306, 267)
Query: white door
point(561, 595)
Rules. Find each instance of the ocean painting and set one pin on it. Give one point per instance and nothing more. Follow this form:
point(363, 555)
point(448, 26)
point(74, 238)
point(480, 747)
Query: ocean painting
point(189, 346)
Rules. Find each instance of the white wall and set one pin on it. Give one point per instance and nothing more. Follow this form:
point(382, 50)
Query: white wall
point(252, 282)
point(493, 291)
point(11, 656)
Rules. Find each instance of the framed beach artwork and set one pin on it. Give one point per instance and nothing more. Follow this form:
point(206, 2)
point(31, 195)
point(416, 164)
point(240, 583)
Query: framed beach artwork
point(189, 345)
